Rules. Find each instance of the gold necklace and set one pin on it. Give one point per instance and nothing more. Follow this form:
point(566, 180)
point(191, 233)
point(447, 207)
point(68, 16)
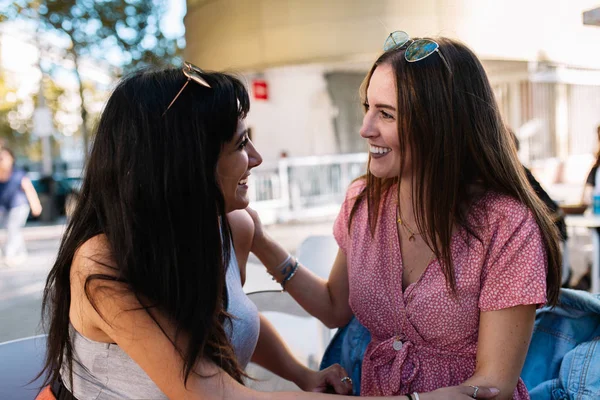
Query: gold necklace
point(411, 234)
point(397, 343)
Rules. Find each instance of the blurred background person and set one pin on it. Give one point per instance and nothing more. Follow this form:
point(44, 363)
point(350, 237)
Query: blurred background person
point(17, 198)
point(558, 216)
point(591, 181)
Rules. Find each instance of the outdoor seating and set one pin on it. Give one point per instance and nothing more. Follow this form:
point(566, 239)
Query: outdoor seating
point(20, 361)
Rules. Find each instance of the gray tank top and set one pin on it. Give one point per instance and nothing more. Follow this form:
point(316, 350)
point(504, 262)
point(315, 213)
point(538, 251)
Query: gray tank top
point(102, 371)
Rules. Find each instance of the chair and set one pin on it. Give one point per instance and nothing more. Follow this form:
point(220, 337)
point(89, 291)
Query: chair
point(277, 301)
point(318, 253)
point(296, 333)
point(20, 361)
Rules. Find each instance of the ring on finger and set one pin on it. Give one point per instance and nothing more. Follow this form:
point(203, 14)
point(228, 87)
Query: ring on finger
point(475, 390)
point(346, 379)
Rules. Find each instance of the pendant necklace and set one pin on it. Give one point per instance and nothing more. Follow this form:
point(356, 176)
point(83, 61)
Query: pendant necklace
point(411, 234)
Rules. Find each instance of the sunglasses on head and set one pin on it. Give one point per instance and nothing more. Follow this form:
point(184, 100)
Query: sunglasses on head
point(417, 49)
point(192, 73)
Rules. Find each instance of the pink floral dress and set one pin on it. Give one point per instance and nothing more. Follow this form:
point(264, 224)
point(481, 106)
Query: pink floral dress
point(438, 331)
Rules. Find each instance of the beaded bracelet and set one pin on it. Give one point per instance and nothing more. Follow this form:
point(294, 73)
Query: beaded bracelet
point(290, 275)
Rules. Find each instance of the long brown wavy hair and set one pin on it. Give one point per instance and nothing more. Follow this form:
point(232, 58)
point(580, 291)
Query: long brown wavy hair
point(449, 121)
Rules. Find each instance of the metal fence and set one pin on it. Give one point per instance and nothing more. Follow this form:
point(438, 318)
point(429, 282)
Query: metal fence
point(304, 187)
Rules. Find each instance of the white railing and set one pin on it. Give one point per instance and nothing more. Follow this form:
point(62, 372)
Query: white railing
point(304, 187)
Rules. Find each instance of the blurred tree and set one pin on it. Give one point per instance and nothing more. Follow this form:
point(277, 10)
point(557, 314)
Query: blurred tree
point(13, 132)
point(123, 33)
point(16, 120)
point(5, 107)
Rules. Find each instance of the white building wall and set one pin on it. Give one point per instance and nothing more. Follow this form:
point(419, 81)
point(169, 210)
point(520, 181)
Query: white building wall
point(298, 115)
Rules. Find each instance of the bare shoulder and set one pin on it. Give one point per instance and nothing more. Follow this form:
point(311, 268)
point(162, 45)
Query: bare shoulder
point(242, 228)
point(92, 259)
point(242, 231)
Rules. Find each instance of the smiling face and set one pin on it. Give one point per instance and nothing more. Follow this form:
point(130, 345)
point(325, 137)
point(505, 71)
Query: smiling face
point(237, 158)
point(380, 124)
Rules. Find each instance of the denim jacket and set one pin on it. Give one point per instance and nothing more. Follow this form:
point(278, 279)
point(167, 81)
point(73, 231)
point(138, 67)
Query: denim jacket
point(563, 361)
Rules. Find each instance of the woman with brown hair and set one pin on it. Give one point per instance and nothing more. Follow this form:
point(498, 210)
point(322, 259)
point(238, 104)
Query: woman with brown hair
point(445, 250)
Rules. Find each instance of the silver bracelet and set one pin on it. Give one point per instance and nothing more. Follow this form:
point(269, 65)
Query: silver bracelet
point(416, 395)
point(278, 269)
point(288, 258)
point(291, 275)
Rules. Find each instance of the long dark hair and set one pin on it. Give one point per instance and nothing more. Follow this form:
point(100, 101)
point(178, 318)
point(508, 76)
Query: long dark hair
point(449, 120)
point(150, 187)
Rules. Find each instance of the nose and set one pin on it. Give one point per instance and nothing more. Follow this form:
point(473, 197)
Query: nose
point(368, 130)
point(254, 157)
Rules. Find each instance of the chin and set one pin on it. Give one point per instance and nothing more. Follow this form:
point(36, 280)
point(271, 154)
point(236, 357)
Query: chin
point(379, 174)
point(237, 204)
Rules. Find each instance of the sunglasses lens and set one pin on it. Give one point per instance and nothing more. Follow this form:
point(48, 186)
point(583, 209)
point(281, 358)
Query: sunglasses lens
point(420, 49)
point(395, 39)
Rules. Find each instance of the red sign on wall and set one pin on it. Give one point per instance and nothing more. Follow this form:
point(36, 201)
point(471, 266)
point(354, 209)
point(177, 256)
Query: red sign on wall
point(260, 89)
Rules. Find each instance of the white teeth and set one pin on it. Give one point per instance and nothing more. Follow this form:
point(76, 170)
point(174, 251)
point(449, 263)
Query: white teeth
point(379, 150)
point(243, 181)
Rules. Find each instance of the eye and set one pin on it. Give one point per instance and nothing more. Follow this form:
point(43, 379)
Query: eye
point(386, 115)
point(244, 142)
point(366, 106)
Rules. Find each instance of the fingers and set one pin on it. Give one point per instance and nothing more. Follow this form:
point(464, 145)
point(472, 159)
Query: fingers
point(482, 392)
point(339, 379)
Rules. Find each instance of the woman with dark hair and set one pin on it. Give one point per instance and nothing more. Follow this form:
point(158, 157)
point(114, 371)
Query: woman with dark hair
point(145, 298)
point(445, 250)
point(17, 198)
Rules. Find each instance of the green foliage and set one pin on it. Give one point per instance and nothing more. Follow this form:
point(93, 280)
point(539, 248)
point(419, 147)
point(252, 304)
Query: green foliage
point(123, 33)
point(15, 129)
point(98, 28)
point(18, 138)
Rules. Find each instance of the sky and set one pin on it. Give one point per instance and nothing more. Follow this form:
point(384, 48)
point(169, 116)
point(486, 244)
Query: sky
point(19, 57)
point(16, 53)
point(172, 24)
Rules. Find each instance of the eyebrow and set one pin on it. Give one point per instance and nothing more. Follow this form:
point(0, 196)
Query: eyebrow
point(385, 106)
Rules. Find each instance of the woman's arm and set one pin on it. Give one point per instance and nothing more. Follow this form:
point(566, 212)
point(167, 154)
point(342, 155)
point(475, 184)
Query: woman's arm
point(32, 197)
point(504, 337)
point(271, 351)
point(327, 300)
point(586, 195)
